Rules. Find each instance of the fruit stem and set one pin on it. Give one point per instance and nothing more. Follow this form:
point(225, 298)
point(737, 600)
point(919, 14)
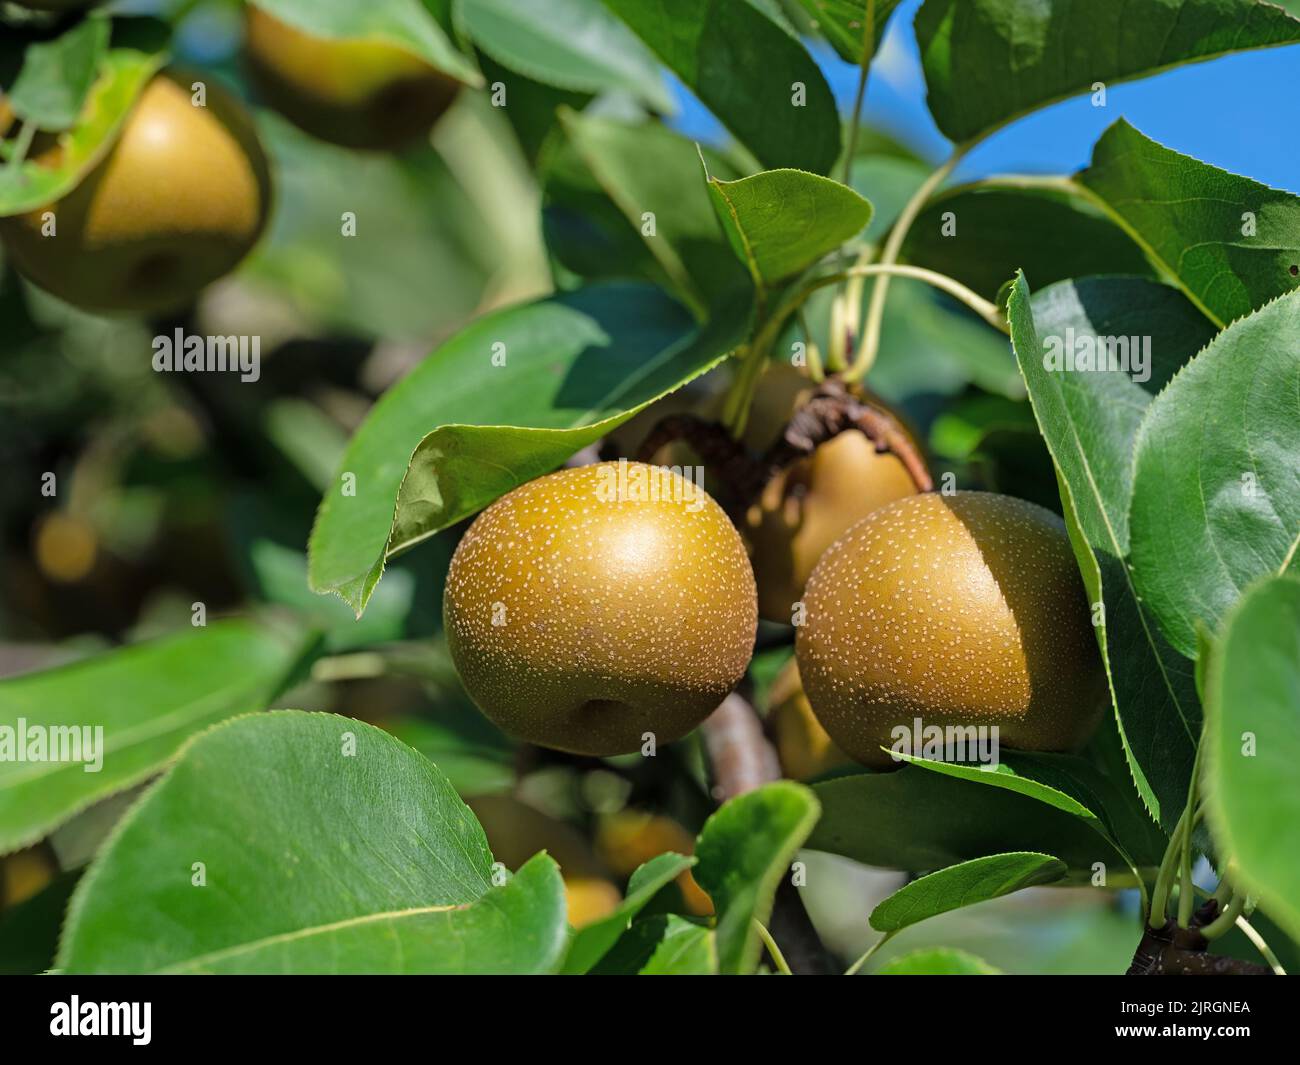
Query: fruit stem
point(1177, 858)
point(866, 354)
point(977, 303)
point(987, 310)
point(781, 965)
point(853, 304)
point(1227, 917)
point(1191, 814)
point(815, 369)
point(1164, 878)
point(735, 410)
point(1261, 945)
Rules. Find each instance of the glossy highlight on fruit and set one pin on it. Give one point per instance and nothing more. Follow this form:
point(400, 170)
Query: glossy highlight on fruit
point(600, 603)
point(179, 200)
point(965, 609)
point(364, 93)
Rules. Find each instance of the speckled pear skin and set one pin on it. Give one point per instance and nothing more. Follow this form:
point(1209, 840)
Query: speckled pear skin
point(965, 609)
point(620, 616)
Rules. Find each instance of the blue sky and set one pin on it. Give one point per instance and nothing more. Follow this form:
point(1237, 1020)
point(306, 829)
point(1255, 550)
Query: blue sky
point(1241, 113)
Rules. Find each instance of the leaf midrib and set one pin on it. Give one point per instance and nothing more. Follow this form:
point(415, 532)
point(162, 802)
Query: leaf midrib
point(199, 961)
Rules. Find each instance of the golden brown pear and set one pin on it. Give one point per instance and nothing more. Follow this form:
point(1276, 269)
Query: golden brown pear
point(804, 747)
point(178, 201)
point(958, 610)
point(517, 831)
point(805, 508)
point(356, 93)
point(600, 603)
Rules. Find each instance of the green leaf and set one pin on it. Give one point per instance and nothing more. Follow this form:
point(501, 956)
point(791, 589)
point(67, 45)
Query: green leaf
point(844, 24)
point(588, 235)
point(408, 24)
point(1252, 737)
point(937, 961)
point(987, 62)
point(1216, 489)
point(918, 821)
point(592, 942)
point(56, 77)
point(746, 68)
point(685, 949)
point(325, 846)
point(961, 885)
point(662, 944)
point(646, 170)
point(1049, 233)
point(744, 850)
point(782, 221)
point(532, 107)
point(1090, 420)
point(1229, 242)
point(1071, 795)
point(514, 930)
point(460, 431)
point(123, 74)
point(576, 45)
point(148, 699)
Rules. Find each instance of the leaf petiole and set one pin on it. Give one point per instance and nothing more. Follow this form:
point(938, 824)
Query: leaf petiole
point(852, 970)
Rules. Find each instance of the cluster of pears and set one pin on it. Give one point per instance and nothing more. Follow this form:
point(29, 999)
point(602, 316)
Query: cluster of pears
point(588, 623)
point(184, 192)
